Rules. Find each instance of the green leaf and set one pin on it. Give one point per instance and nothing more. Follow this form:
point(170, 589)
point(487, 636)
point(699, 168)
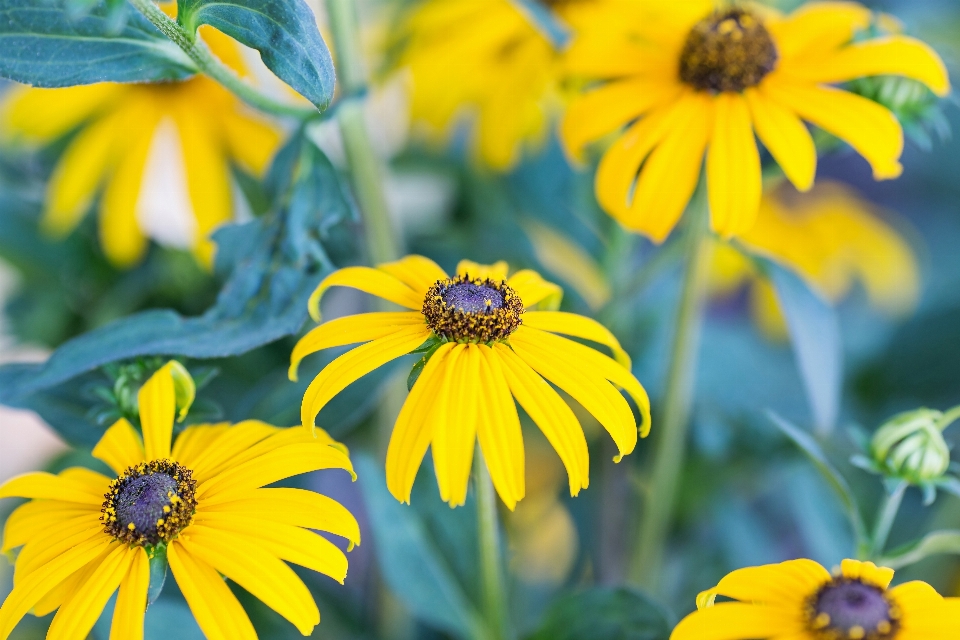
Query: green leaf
point(42, 44)
point(411, 562)
point(812, 449)
point(815, 337)
point(158, 572)
point(606, 613)
point(283, 31)
point(431, 347)
point(934, 543)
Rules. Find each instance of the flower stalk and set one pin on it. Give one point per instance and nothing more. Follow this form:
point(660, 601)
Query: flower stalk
point(885, 518)
point(670, 449)
point(491, 574)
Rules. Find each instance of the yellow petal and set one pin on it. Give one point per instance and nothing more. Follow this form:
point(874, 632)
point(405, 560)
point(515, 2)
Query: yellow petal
point(560, 255)
point(733, 168)
point(120, 447)
point(455, 426)
point(571, 324)
point(216, 609)
point(785, 137)
point(59, 594)
point(534, 290)
point(783, 585)
point(158, 405)
point(496, 271)
point(372, 281)
point(872, 130)
point(548, 410)
point(818, 26)
point(416, 272)
point(53, 542)
point(46, 485)
point(226, 450)
point(45, 114)
point(296, 507)
point(498, 430)
point(132, 600)
point(362, 327)
point(868, 572)
point(80, 611)
point(92, 481)
point(413, 430)
point(33, 587)
point(250, 141)
point(35, 518)
point(736, 621)
point(261, 573)
point(193, 441)
point(355, 364)
point(894, 55)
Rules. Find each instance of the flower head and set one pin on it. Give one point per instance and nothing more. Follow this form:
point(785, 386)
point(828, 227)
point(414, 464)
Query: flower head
point(801, 600)
point(486, 344)
point(84, 535)
point(693, 80)
point(910, 446)
point(139, 143)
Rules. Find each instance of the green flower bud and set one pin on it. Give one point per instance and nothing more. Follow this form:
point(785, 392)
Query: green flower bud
point(911, 446)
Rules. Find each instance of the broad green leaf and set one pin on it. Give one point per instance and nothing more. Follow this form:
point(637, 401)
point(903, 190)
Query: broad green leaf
point(812, 449)
point(815, 336)
point(42, 44)
point(934, 543)
point(411, 559)
point(606, 613)
point(283, 31)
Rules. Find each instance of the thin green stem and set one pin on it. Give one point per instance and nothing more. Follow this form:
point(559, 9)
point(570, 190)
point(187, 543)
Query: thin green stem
point(365, 167)
point(673, 424)
point(949, 417)
point(491, 574)
point(207, 63)
point(885, 519)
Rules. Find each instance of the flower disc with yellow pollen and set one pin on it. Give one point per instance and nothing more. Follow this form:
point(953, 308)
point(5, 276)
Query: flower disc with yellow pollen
point(491, 340)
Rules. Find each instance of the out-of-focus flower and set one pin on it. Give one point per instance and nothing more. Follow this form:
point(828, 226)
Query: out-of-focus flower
point(694, 80)
point(489, 58)
point(83, 535)
point(485, 345)
point(138, 143)
point(800, 600)
point(832, 238)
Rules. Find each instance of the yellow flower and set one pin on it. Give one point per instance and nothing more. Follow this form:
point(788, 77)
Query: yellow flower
point(183, 134)
point(491, 346)
point(800, 600)
point(485, 57)
point(832, 238)
point(83, 535)
point(695, 81)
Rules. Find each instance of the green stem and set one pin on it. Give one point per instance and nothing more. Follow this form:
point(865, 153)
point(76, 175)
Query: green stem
point(949, 417)
point(365, 167)
point(888, 513)
point(673, 424)
point(206, 62)
point(491, 575)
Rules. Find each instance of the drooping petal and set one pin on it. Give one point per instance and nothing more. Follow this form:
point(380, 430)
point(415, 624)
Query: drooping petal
point(534, 290)
point(43, 485)
point(413, 430)
point(373, 281)
point(157, 401)
point(355, 364)
point(120, 447)
point(80, 611)
point(217, 611)
point(132, 600)
point(785, 137)
point(264, 575)
point(498, 430)
point(27, 592)
point(120, 234)
point(496, 271)
point(872, 130)
point(554, 417)
point(455, 423)
point(733, 168)
point(417, 272)
point(350, 330)
point(45, 114)
point(736, 621)
point(571, 324)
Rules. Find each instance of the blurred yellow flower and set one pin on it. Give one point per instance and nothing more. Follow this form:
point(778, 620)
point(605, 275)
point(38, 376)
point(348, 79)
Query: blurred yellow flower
point(488, 58)
point(491, 346)
point(122, 134)
point(800, 600)
point(84, 536)
point(692, 80)
point(832, 238)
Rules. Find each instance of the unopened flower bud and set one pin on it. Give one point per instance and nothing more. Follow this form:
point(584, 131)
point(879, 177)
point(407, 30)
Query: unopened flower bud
point(911, 446)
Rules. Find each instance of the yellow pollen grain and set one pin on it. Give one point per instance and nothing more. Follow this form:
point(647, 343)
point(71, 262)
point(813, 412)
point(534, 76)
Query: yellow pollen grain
point(160, 522)
point(131, 526)
point(857, 633)
point(166, 509)
point(822, 621)
point(884, 627)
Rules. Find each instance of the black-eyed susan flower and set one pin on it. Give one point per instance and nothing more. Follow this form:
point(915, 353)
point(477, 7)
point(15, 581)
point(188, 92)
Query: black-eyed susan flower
point(158, 155)
point(692, 79)
point(489, 344)
point(800, 600)
point(83, 535)
point(832, 238)
point(487, 59)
